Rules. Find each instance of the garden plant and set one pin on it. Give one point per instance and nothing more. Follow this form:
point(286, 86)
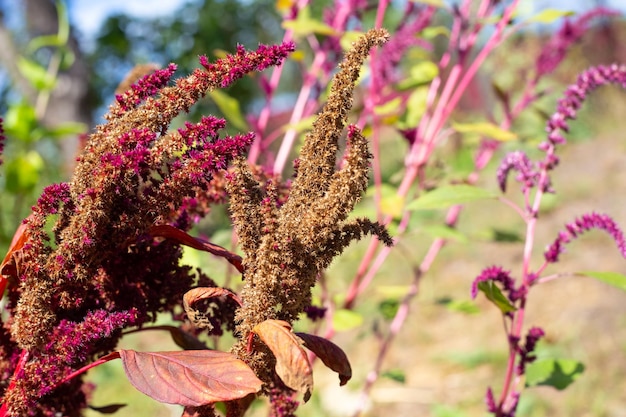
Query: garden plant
point(100, 256)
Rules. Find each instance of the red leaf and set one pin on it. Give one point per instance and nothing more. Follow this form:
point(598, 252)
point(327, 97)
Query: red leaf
point(189, 378)
point(202, 293)
point(8, 268)
point(331, 354)
point(292, 363)
point(170, 232)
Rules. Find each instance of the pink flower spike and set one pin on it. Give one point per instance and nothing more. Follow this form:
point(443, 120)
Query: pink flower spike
point(583, 224)
point(147, 86)
point(233, 67)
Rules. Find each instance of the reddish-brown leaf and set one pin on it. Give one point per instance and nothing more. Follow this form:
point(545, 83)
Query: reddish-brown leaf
point(170, 232)
point(108, 409)
point(202, 293)
point(238, 408)
point(292, 362)
point(331, 354)
point(191, 377)
point(8, 268)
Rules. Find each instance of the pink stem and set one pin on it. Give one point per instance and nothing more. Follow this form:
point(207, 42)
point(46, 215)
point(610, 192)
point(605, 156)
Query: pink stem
point(298, 113)
point(264, 116)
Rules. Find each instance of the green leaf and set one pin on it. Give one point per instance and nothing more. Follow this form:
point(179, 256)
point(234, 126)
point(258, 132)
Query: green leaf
point(230, 109)
point(66, 129)
point(20, 121)
point(393, 291)
point(557, 373)
point(35, 74)
point(460, 306)
point(485, 129)
point(390, 107)
point(348, 38)
point(445, 232)
point(346, 320)
point(434, 31)
point(388, 308)
point(447, 196)
point(415, 108)
point(508, 236)
point(550, 15)
point(611, 278)
point(493, 294)
point(421, 73)
point(303, 125)
point(42, 42)
point(397, 375)
point(57, 40)
point(390, 202)
point(22, 173)
point(304, 25)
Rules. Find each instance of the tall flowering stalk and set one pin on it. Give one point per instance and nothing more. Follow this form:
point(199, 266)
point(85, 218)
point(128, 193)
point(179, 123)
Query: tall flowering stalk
point(103, 268)
point(535, 177)
point(287, 245)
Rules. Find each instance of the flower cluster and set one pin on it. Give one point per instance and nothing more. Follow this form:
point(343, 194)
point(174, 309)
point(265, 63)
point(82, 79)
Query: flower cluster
point(101, 269)
point(497, 274)
point(576, 94)
point(529, 174)
point(518, 161)
point(571, 32)
point(527, 351)
point(287, 245)
point(581, 225)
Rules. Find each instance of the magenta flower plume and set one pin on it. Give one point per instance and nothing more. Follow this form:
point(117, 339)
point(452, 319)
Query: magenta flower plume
point(490, 401)
point(583, 224)
point(527, 351)
point(555, 50)
point(233, 67)
point(526, 172)
point(575, 95)
point(100, 269)
point(493, 273)
point(146, 87)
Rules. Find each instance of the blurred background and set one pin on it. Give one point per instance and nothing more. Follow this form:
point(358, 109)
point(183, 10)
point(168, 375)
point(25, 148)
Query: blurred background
point(446, 356)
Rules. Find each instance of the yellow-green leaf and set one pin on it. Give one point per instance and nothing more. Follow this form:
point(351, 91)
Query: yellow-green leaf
point(611, 278)
point(444, 232)
point(493, 294)
point(36, 74)
point(550, 15)
point(557, 373)
point(305, 25)
point(485, 129)
point(444, 197)
point(303, 125)
point(230, 109)
point(348, 38)
point(346, 320)
point(421, 73)
point(390, 107)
